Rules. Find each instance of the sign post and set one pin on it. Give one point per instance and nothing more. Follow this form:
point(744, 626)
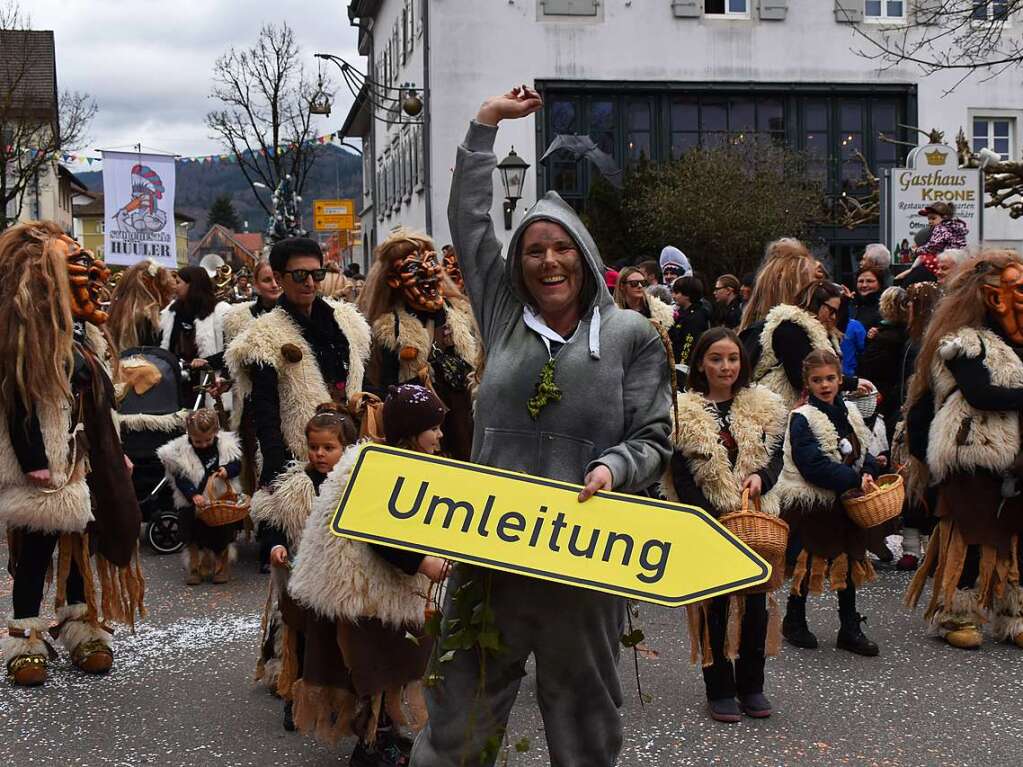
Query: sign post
point(932, 175)
point(640, 548)
point(333, 215)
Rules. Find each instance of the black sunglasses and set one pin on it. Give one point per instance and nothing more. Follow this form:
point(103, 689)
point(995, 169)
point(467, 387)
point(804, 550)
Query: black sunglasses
point(301, 275)
point(636, 283)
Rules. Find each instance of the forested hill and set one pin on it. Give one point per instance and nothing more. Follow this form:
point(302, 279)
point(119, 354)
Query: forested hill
point(337, 173)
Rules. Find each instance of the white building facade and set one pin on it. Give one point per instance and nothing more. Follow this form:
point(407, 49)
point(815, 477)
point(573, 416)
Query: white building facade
point(654, 77)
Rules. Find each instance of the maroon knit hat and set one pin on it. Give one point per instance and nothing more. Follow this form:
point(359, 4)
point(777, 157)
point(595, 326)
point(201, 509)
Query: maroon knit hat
point(410, 410)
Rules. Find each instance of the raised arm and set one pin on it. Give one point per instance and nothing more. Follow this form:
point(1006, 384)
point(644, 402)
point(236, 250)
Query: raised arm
point(472, 195)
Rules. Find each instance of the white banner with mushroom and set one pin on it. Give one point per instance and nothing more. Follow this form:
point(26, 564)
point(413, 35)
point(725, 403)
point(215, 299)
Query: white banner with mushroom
point(138, 201)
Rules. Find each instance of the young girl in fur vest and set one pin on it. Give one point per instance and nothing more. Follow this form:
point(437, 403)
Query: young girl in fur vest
point(282, 511)
point(826, 453)
point(363, 678)
point(728, 440)
point(191, 462)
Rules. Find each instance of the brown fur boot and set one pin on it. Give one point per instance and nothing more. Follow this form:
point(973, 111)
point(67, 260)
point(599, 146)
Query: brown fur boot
point(89, 642)
point(193, 565)
point(26, 651)
point(222, 566)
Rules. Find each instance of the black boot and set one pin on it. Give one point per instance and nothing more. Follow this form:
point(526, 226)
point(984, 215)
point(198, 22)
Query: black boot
point(794, 627)
point(852, 638)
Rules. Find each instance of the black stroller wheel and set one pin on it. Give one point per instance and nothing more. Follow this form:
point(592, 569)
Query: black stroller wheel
point(163, 534)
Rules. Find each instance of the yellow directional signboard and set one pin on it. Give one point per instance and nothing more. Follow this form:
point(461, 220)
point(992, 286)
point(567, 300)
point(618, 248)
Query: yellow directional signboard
point(641, 548)
point(333, 215)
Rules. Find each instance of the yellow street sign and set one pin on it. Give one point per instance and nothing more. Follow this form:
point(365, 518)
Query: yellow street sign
point(641, 548)
point(333, 215)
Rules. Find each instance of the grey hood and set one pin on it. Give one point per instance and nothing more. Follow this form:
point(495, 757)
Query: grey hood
point(551, 207)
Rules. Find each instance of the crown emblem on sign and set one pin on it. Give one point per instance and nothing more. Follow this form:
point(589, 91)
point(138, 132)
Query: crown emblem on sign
point(937, 157)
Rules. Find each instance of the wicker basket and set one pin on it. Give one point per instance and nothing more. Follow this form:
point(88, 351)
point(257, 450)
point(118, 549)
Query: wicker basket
point(880, 505)
point(224, 509)
point(765, 534)
point(865, 403)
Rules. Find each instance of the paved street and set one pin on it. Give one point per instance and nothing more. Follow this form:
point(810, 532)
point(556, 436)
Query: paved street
point(181, 694)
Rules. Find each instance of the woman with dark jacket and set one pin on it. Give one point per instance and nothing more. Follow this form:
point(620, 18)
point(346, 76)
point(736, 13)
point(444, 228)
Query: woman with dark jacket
point(727, 441)
point(691, 318)
point(881, 360)
point(192, 328)
point(865, 306)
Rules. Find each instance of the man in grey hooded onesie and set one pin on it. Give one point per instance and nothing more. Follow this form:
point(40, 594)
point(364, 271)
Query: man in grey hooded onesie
point(610, 429)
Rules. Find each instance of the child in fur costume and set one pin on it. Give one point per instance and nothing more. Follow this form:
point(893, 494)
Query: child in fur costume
point(728, 441)
point(366, 681)
point(282, 511)
point(826, 453)
point(963, 425)
point(192, 461)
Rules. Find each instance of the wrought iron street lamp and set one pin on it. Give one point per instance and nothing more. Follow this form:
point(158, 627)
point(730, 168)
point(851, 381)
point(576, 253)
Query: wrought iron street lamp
point(513, 178)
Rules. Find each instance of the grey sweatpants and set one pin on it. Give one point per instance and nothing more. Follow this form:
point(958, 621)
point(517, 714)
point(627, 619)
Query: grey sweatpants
point(574, 635)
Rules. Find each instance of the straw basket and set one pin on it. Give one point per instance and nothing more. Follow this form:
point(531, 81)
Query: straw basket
point(765, 534)
point(865, 403)
point(224, 509)
point(881, 504)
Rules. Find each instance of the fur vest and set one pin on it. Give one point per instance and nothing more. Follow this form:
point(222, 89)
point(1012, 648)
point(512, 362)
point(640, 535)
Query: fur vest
point(236, 319)
point(662, 315)
point(769, 371)
point(343, 579)
point(792, 488)
point(963, 438)
point(301, 386)
point(288, 507)
point(178, 458)
point(758, 426)
point(209, 331)
point(399, 329)
point(68, 509)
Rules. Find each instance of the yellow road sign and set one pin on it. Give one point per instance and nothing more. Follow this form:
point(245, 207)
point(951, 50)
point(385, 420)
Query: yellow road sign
point(333, 215)
point(641, 548)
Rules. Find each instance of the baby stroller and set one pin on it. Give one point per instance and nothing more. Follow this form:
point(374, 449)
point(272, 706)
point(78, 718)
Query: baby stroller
point(151, 413)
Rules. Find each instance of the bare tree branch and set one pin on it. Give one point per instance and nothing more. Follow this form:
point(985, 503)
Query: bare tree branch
point(968, 36)
point(264, 120)
point(35, 127)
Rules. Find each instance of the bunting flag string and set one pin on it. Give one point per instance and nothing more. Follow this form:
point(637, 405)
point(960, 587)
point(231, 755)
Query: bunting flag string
point(205, 159)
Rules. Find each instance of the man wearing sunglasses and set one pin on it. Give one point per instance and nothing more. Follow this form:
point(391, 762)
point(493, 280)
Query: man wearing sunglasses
point(306, 351)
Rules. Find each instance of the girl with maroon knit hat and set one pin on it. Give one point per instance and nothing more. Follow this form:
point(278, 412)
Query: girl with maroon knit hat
point(376, 597)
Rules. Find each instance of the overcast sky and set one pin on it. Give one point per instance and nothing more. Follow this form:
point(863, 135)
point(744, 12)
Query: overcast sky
point(148, 64)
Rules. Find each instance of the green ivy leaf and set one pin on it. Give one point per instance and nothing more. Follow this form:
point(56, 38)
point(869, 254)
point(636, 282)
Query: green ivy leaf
point(447, 657)
point(432, 625)
point(489, 640)
point(412, 638)
point(522, 745)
